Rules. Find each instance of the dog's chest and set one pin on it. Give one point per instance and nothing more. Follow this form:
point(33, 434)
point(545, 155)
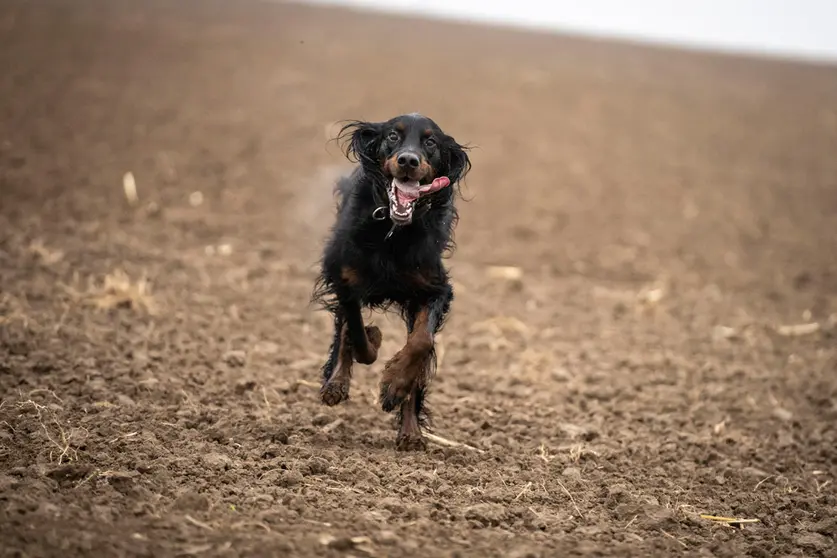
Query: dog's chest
point(396, 272)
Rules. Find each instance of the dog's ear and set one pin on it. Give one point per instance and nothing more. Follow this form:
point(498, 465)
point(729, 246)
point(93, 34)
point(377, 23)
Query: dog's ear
point(458, 161)
point(361, 140)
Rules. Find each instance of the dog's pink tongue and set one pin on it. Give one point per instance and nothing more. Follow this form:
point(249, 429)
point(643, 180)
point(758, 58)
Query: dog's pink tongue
point(408, 191)
point(436, 185)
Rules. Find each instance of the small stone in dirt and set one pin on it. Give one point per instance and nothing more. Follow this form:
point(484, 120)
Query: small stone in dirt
point(465, 385)
point(627, 510)
point(386, 537)
point(321, 420)
point(290, 478)
point(217, 461)
point(235, 358)
point(659, 518)
point(243, 386)
point(342, 543)
point(782, 414)
point(827, 526)
point(318, 465)
point(534, 522)
point(590, 531)
point(755, 472)
point(280, 437)
point(393, 505)
point(486, 514)
point(619, 493)
point(88, 363)
point(813, 541)
point(69, 473)
point(18, 471)
point(47, 508)
point(7, 483)
point(284, 387)
point(574, 431)
point(572, 473)
point(125, 401)
point(507, 273)
point(496, 439)
point(216, 435)
point(467, 425)
point(649, 500)
point(121, 477)
point(721, 333)
point(266, 348)
point(284, 546)
point(561, 374)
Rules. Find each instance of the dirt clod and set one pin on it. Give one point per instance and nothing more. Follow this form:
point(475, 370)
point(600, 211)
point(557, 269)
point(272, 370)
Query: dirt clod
point(318, 466)
point(217, 461)
point(486, 514)
point(572, 473)
point(192, 501)
point(235, 358)
point(813, 541)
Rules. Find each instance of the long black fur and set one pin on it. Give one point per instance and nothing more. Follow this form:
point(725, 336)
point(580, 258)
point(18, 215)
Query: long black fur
point(386, 266)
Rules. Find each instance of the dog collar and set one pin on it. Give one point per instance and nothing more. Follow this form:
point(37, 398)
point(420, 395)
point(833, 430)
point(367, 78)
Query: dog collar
point(382, 212)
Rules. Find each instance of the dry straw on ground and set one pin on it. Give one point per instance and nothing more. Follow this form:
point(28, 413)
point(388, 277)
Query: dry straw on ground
point(118, 290)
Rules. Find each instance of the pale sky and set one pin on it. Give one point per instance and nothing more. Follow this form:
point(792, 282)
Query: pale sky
point(795, 28)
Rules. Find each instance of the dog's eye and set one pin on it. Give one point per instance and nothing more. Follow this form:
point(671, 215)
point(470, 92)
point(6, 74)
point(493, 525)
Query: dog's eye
point(430, 143)
point(393, 136)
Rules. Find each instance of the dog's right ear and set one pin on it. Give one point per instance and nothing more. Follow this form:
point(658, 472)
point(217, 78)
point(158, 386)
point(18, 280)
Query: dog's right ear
point(361, 141)
point(459, 164)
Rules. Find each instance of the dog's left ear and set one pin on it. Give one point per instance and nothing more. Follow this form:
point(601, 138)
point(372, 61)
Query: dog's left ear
point(458, 161)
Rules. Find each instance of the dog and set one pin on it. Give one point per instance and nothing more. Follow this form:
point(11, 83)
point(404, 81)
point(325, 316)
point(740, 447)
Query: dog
point(395, 222)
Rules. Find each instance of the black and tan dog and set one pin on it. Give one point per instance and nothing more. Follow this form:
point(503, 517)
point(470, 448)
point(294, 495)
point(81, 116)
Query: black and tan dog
point(395, 221)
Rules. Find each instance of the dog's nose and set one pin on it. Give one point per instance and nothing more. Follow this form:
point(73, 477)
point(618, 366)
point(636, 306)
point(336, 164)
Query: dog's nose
point(408, 160)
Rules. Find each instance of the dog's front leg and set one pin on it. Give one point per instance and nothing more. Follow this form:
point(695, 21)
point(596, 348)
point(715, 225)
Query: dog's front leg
point(405, 377)
point(365, 340)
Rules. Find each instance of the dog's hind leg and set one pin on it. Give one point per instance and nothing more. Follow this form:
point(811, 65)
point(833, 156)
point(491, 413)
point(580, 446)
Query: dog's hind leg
point(352, 340)
point(334, 350)
point(409, 418)
point(337, 371)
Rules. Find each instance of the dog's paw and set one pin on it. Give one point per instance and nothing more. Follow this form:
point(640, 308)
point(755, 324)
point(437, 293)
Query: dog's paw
point(398, 378)
point(391, 396)
point(412, 441)
point(370, 355)
point(333, 393)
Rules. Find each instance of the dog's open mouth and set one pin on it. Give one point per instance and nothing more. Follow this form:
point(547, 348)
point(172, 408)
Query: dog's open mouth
point(403, 195)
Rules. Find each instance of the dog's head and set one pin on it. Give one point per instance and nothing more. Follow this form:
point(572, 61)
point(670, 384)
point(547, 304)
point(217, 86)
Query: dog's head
point(412, 156)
